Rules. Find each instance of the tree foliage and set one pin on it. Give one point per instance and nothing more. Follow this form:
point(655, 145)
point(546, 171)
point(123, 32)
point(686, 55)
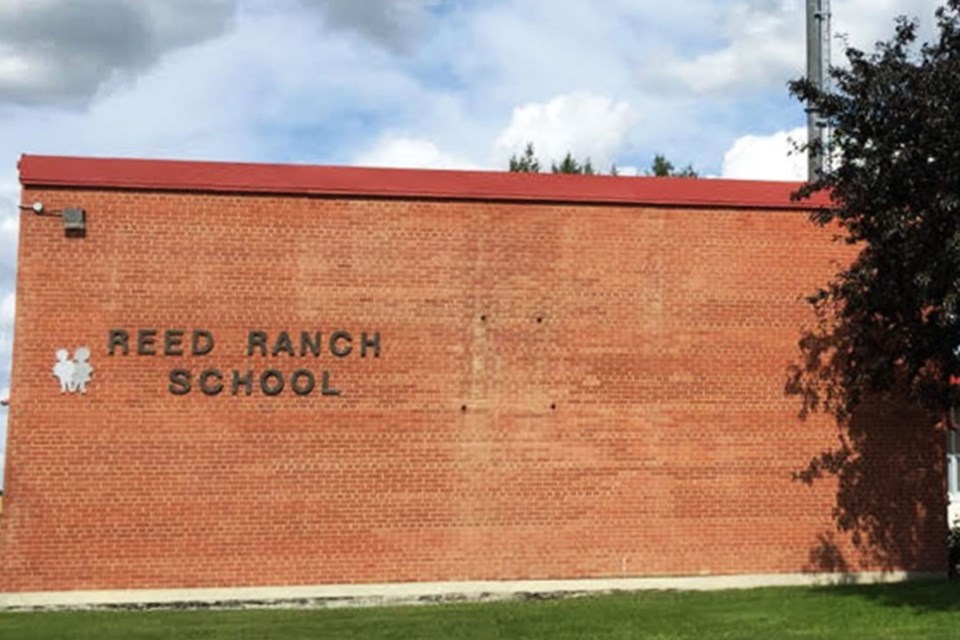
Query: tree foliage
point(569, 164)
point(663, 168)
point(527, 162)
point(890, 321)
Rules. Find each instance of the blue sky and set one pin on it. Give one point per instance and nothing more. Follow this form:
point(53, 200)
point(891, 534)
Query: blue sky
point(418, 83)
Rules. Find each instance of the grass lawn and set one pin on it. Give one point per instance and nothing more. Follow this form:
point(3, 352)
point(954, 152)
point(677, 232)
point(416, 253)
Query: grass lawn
point(921, 610)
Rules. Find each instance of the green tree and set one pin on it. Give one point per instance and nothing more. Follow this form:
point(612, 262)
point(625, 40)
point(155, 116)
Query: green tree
point(663, 168)
point(570, 165)
point(525, 163)
point(889, 323)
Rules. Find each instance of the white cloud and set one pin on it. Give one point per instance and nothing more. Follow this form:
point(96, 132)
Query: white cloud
point(4, 395)
point(763, 42)
point(414, 153)
point(9, 224)
point(6, 344)
point(65, 50)
point(861, 23)
point(9, 233)
point(586, 125)
point(770, 157)
point(8, 309)
point(391, 22)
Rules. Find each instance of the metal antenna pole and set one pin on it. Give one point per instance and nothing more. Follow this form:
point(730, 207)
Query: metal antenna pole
point(818, 67)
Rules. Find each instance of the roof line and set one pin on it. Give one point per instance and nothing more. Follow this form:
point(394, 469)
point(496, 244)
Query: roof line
point(313, 180)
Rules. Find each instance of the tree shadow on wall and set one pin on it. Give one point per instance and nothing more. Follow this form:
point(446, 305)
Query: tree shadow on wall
point(890, 501)
point(888, 465)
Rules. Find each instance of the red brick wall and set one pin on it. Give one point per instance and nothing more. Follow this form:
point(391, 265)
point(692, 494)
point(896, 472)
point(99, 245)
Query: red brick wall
point(564, 391)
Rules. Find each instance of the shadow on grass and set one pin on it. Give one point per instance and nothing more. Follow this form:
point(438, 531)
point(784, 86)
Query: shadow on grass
point(923, 597)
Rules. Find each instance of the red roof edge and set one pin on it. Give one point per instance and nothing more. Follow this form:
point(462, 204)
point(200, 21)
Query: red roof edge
point(311, 180)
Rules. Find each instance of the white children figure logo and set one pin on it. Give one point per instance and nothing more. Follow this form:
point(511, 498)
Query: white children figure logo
point(83, 370)
point(73, 374)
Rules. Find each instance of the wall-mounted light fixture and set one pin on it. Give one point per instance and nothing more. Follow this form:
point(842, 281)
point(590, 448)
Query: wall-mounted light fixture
point(36, 207)
point(74, 218)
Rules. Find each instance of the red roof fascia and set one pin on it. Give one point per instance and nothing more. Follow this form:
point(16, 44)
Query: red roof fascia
point(294, 179)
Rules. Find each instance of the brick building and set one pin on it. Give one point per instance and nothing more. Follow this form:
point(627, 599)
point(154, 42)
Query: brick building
point(317, 378)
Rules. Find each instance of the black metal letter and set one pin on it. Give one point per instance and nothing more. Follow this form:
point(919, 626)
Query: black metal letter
point(283, 345)
point(201, 336)
point(146, 341)
point(173, 342)
point(325, 387)
point(303, 390)
point(277, 387)
point(205, 376)
point(245, 381)
point(179, 382)
point(336, 337)
point(118, 338)
point(257, 339)
point(370, 342)
point(306, 344)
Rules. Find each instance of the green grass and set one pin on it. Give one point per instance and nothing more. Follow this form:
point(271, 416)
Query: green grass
point(921, 610)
